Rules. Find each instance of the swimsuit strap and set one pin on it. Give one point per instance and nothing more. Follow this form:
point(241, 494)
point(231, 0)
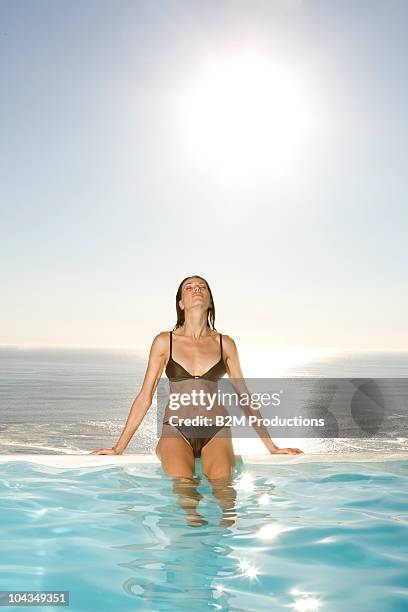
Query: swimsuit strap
point(170, 344)
point(221, 345)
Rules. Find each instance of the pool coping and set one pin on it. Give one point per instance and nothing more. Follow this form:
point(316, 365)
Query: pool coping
point(87, 460)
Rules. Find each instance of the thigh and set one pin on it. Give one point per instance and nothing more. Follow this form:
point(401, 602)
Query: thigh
point(217, 456)
point(175, 454)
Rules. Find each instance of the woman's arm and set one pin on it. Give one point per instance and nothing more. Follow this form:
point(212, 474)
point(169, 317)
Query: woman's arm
point(144, 398)
point(234, 371)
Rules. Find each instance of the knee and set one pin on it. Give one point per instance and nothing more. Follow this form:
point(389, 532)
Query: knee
point(220, 476)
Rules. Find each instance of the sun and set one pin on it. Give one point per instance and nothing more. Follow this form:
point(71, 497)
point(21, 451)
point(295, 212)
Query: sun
point(245, 116)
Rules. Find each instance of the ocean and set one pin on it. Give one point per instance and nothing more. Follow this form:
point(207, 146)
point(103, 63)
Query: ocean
point(73, 400)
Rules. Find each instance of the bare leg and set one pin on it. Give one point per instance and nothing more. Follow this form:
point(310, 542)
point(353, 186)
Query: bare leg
point(226, 496)
point(189, 498)
point(218, 462)
point(177, 460)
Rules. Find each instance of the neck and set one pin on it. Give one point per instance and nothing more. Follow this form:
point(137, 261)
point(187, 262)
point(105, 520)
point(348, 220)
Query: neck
point(195, 324)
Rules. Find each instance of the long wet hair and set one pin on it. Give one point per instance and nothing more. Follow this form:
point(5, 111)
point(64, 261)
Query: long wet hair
point(180, 312)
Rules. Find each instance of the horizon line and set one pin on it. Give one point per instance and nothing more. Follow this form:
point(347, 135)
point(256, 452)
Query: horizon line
point(143, 346)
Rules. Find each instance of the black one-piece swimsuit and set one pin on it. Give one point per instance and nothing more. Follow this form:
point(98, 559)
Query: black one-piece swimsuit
point(176, 372)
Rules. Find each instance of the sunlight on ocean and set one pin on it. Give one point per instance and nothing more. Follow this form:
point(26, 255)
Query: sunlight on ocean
point(72, 400)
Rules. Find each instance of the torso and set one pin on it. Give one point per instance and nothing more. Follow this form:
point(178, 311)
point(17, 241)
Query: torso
point(176, 371)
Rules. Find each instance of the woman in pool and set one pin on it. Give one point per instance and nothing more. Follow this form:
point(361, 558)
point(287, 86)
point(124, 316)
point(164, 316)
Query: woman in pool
point(197, 345)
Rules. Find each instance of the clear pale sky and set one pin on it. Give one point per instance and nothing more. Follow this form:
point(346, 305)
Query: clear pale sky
point(111, 193)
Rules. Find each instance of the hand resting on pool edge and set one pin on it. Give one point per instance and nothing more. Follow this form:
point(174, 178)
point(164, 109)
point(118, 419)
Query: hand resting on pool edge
point(106, 451)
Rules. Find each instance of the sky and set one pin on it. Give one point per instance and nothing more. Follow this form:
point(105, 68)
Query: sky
point(262, 145)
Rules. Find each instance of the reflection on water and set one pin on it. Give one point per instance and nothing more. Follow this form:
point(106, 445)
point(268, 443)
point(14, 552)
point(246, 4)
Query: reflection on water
point(304, 535)
point(189, 498)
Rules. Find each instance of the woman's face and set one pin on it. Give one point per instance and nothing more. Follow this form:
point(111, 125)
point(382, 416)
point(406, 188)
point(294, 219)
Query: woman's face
point(195, 292)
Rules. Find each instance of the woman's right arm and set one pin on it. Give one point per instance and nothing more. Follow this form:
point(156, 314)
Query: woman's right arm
point(144, 399)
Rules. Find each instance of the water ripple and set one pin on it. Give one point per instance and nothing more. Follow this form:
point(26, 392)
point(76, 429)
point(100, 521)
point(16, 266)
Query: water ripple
point(118, 538)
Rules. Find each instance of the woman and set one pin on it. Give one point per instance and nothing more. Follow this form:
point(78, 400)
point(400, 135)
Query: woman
point(197, 346)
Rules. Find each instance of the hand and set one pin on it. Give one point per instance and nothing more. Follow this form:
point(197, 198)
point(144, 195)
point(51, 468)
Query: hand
point(286, 451)
point(105, 451)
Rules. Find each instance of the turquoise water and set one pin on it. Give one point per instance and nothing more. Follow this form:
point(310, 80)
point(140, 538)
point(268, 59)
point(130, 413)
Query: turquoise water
point(306, 536)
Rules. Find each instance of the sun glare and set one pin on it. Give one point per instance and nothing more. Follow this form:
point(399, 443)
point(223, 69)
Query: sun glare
point(245, 116)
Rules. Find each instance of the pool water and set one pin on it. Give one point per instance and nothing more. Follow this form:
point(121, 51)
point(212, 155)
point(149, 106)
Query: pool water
point(305, 536)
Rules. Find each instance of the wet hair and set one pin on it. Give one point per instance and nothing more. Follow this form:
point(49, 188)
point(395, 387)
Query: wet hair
point(180, 312)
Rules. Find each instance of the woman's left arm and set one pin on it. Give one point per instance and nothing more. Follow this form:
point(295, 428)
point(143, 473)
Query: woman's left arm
point(234, 371)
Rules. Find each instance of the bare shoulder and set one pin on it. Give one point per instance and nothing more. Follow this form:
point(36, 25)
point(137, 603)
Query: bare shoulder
point(161, 342)
point(228, 344)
